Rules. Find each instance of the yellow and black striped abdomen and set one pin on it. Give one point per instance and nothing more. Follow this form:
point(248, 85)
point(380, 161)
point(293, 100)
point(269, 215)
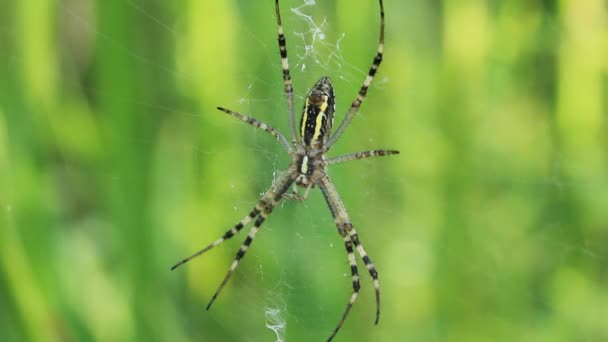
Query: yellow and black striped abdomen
point(318, 114)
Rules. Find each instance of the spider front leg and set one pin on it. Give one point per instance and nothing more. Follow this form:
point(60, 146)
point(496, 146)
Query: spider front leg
point(355, 278)
point(370, 267)
point(295, 196)
point(230, 233)
point(350, 236)
point(242, 250)
point(262, 209)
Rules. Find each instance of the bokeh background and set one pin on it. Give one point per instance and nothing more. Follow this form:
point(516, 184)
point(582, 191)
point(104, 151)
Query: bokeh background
point(491, 225)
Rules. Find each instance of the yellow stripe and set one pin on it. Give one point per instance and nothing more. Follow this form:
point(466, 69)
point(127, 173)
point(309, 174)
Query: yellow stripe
point(304, 167)
point(319, 122)
point(304, 117)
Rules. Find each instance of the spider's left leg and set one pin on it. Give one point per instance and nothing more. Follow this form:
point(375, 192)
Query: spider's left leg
point(354, 107)
point(286, 75)
point(258, 124)
point(348, 233)
point(359, 155)
point(369, 265)
point(270, 199)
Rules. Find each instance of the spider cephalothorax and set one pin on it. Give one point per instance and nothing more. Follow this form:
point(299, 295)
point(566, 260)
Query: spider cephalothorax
point(308, 167)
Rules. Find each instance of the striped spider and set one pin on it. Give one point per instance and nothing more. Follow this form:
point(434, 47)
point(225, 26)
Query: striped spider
point(308, 167)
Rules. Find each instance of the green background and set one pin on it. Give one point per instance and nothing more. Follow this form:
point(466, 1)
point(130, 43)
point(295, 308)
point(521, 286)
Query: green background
point(491, 225)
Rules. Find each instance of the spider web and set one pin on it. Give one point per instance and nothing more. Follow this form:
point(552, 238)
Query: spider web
point(316, 47)
point(313, 52)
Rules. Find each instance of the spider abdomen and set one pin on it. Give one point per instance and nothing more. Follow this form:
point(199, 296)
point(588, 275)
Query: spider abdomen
point(318, 114)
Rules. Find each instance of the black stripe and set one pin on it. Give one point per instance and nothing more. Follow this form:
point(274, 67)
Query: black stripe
point(230, 234)
point(248, 240)
point(260, 219)
point(366, 260)
point(378, 59)
point(373, 273)
point(356, 285)
point(282, 46)
point(239, 254)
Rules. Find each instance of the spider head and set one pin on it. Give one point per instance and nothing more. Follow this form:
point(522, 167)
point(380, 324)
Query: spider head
point(318, 114)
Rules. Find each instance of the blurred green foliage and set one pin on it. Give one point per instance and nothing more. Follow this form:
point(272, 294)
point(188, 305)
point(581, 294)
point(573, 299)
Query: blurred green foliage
point(491, 225)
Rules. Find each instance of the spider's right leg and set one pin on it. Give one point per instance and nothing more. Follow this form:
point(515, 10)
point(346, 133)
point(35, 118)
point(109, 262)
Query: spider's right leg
point(230, 233)
point(258, 124)
point(286, 75)
point(270, 200)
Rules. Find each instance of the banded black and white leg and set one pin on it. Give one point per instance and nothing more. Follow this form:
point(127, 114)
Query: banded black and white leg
point(286, 74)
point(370, 268)
point(349, 234)
point(230, 233)
point(263, 126)
point(359, 155)
point(242, 250)
point(262, 209)
point(354, 107)
point(352, 261)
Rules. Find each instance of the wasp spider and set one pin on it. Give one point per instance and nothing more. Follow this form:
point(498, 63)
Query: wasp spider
point(310, 141)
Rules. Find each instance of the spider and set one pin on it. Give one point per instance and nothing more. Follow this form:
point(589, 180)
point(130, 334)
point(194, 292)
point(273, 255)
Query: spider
point(308, 167)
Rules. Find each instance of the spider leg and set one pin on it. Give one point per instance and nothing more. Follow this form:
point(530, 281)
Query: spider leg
point(266, 204)
point(244, 247)
point(370, 268)
point(258, 124)
point(294, 195)
point(359, 155)
point(286, 75)
point(230, 233)
point(355, 276)
point(262, 208)
point(349, 234)
point(354, 108)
